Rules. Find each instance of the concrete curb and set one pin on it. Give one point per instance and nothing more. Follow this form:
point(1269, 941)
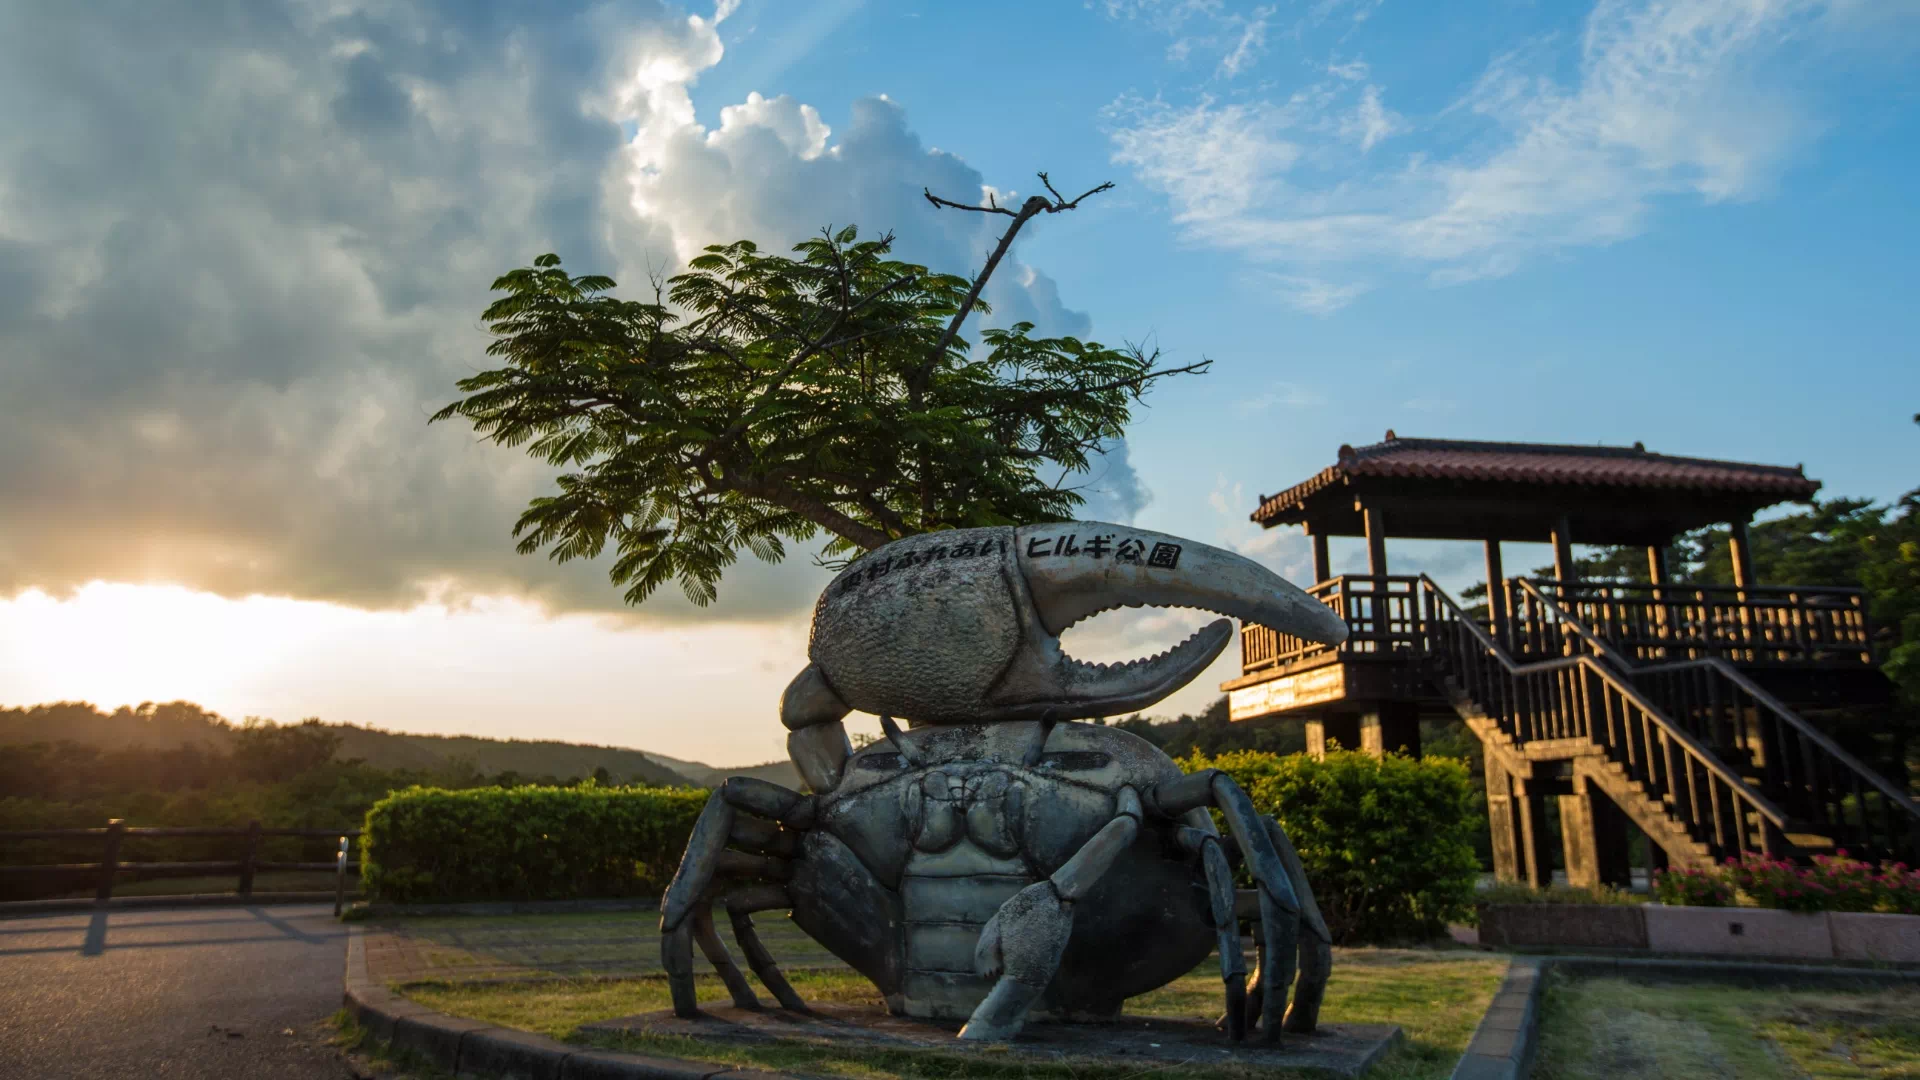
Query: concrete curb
point(471, 1048)
point(1503, 1045)
point(184, 900)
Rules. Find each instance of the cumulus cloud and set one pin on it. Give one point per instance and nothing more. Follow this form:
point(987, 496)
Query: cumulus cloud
point(1667, 98)
point(243, 252)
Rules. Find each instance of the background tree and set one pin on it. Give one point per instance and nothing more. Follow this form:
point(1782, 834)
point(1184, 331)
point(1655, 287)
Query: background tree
point(759, 399)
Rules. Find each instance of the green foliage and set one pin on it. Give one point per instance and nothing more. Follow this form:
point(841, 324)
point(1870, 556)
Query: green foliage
point(225, 775)
point(1508, 892)
point(428, 845)
point(764, 398)
point(1210, 732)
point(1386, 842)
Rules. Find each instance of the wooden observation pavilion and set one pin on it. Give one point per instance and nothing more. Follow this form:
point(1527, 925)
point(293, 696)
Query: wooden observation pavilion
point(1679, 708)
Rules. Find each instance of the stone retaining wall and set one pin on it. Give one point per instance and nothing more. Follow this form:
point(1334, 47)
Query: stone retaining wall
point(1705, 931)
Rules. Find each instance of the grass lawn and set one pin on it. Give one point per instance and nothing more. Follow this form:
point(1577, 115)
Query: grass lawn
point(1608, 1027)
point(1437, 995)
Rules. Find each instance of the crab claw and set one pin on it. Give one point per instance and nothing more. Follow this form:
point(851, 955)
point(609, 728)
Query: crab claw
point(964, 626)
point(1079, 569)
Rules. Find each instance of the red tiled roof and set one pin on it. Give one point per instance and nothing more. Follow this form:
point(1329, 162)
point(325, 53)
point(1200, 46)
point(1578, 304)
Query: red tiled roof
point(1545, 464)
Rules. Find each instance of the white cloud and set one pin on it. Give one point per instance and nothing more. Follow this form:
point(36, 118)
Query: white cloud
point(241, 260)
point(1672, 98)
point(1285, 395)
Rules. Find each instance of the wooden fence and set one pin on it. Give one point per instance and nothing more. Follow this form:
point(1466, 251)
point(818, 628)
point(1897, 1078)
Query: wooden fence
point(110, 866)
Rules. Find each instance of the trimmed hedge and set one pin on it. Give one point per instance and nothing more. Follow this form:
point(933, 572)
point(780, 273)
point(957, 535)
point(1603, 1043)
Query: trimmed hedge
point(1386, 842)
point(430, 845)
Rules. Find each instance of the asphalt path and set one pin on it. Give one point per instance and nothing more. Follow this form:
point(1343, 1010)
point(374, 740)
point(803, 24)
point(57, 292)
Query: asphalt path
point(233, 992)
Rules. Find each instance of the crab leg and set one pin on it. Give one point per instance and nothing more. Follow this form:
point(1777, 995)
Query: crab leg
point(1022, 943)
point(1316, 945)
point(1220, 893)
point(741, 904)
point(716, 952)
point(707, 856)
point(1279, 906)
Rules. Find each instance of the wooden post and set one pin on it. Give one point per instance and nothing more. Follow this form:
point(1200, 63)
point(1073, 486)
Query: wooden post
point(1501, 824)
point(109, 861)
point(1577, 838)
point(1563, 551)
point(1496, 593)
point(1742, 551)
point(1657, 573)
point(1376, 543)
point(1377, 566)
point(1322, 559)
point(1339, 728)
point(248, 857)
point(1536, 847)
point(1392, 727)
point(340, 879)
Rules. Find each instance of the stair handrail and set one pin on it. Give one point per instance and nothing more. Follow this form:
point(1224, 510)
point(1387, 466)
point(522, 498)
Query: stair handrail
point(1794, 720)
point(1732, 674)
point(1695, 749)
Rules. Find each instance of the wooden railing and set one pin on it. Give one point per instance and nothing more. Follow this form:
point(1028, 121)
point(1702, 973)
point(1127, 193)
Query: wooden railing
point(1383, 615)
point(1825, 789)
point(111, 866)
point(1789, 624)
point(1582, 697)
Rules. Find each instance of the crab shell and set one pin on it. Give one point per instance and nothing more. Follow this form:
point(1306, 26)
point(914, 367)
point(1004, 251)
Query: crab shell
point(963, 626)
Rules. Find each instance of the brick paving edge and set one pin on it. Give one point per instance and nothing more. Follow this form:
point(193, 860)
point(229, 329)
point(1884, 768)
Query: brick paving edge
point(1503, 1044)
point(472, 1048)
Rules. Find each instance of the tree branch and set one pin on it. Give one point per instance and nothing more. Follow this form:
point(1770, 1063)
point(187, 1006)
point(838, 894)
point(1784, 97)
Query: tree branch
point(1035, 204)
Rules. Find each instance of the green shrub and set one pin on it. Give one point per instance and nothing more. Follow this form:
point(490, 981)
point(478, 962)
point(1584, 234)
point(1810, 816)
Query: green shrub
point(1387, 842)
point(429, 845)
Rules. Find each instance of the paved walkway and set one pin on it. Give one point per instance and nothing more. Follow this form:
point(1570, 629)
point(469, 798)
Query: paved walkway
point(220, 993)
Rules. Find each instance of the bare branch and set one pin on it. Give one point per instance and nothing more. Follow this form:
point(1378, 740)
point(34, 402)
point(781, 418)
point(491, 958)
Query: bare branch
point(990, 208)
point(1035, 204)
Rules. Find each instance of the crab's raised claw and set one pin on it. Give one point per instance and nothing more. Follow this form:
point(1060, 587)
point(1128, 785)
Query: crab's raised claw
point(1073, 570)
point(818, 743)
point(963, 626)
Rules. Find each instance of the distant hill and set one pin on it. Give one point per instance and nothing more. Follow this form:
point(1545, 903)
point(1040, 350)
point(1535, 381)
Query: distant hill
point(169, 725)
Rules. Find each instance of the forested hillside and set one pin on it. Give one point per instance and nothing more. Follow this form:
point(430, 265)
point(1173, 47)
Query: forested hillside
point(178, 723)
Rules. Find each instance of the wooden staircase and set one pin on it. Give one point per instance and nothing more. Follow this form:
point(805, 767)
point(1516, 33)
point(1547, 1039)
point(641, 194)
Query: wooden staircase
point(1696, 755)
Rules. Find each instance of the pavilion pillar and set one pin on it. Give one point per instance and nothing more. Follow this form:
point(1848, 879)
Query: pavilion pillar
point(1340, 728)
point(1657, 574)
point(1593, 834)
point(1392, 727)
point(1322, 559)
point(1563, 551)
point(1496, 592)
point(1376, 543)
point(1535, 842)
point(1741, 549)
point(1503, 823)
point(1377, 567)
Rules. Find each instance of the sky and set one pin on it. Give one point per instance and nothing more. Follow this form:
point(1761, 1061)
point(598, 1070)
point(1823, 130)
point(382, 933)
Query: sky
point(244, 247)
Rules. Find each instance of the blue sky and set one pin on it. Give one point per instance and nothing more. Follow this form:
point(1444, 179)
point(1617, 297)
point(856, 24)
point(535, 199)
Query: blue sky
point(245, 251)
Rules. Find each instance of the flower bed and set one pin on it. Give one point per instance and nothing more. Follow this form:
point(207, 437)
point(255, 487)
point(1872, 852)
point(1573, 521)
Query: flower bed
point(1834, 882)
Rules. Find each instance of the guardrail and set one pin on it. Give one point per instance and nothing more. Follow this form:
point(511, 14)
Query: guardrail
point(111, 866)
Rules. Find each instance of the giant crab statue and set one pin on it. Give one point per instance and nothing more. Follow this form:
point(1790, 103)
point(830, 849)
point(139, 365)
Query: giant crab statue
point(994, 860)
